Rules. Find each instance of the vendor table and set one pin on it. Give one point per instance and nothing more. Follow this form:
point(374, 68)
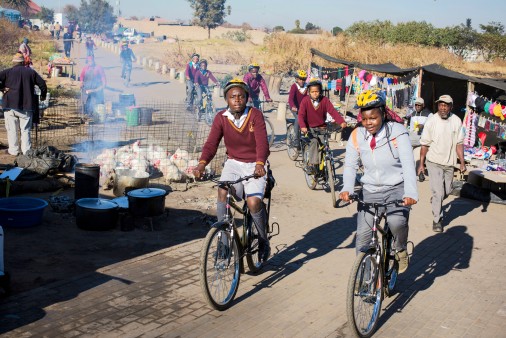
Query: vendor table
point(494, 181)
point(71, 65)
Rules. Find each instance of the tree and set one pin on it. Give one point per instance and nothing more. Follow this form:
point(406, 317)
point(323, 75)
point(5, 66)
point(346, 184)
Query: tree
point(71, 12)
point(96, 16)
point(209, 13)
point(297, 29)
point(46, 14)
point(278, 29)
point(311, 27)
point(336, 30)
point(493, 27)
point(20, 5)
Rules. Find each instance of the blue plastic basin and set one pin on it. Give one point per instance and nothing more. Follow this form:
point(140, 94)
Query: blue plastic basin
point(21, 212)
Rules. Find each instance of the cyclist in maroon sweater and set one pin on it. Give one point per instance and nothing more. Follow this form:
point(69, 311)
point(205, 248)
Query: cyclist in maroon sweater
point(313, 113)
point(243, 131)
point(298, 91)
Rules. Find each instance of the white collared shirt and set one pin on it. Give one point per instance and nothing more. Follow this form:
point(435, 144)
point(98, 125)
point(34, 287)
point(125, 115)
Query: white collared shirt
point(237, 122)
point(381, 134)
point(302, 89)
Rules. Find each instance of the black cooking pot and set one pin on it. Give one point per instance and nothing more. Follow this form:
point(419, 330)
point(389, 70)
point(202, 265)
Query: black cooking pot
point(146, 202)
point(96, 214)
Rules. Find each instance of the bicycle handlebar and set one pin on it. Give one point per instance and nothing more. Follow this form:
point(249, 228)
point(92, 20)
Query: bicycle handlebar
point(229, 183)
point(354, 197)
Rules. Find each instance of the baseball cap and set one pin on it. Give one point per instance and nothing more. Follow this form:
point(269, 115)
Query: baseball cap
point(18, 58)
point(419, 100)
point(445, 99)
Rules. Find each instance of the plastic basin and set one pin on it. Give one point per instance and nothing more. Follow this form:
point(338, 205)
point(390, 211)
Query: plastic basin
point(21, 212)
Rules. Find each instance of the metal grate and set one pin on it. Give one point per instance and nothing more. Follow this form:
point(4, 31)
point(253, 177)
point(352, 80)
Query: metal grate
point(152, 131)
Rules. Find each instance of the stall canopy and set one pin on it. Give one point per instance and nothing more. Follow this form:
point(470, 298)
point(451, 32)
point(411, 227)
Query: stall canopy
point(436, 80)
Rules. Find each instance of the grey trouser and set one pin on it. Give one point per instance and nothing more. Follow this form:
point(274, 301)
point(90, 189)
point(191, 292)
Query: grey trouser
point(189, 90)
point(397, 217)
point(440, 178)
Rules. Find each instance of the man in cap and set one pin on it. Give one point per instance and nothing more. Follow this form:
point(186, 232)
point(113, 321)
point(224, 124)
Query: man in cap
point(20, 103)
point(442, 143)
point(416, 121)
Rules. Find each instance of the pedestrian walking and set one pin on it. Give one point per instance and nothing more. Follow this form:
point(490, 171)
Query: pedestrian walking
point(20, 103)
point(442, 144)
point(68, 42)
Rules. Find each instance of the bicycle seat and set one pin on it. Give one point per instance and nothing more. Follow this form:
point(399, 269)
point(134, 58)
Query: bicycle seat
point(290, 121)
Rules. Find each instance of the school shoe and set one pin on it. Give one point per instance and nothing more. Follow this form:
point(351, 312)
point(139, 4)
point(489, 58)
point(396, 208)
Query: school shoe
point(264, 251)
point(402, 260)
point(437, 227)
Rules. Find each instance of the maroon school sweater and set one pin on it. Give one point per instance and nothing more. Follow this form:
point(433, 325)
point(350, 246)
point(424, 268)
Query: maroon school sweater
point(246, 144)
point(311, 117)
point(295, 96)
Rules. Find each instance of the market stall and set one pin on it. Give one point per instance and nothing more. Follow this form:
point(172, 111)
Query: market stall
point(60, 64)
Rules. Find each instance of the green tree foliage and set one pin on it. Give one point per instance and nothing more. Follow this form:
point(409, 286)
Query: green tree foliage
point(311, 27)
point(461, 39)
point(45, 14)
point(209, 13)
point(493, 27)
point(96, 16)
point(297, 29)
point(336, 30)
point(71, 12)
point(278, 29)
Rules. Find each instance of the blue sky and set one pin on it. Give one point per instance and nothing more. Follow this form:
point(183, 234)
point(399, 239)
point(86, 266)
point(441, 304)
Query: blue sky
point(323, 13)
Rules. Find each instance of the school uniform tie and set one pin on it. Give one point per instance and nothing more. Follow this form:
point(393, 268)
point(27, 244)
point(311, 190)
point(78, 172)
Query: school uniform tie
point(373, 142)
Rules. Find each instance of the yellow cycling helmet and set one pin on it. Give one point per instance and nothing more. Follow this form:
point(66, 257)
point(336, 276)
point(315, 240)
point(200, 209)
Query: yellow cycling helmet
point(253, 65)
point(371, 98)
point(301, 74)
point(124, 43)
point(236, 83)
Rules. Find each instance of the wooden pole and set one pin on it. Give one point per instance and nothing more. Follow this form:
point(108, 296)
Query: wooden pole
point(419, 92)
point(347, 98)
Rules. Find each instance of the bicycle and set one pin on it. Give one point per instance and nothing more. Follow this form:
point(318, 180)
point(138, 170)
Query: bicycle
point(323, 173)
point(292, 148)
point(206, 109)
point(221, 257)
point(373, 275)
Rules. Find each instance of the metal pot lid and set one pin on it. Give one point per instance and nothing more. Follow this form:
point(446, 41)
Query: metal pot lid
point(121, 201)
point(96, 203)
point(146, 192)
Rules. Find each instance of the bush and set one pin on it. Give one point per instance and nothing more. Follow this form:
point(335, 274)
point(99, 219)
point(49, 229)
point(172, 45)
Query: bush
point(239, 36)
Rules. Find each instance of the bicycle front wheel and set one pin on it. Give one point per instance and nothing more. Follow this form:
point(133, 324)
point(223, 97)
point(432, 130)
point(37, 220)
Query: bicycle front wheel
point(364, 295)
point(330, 181)
point(291, 139)
point(219, 268)
point(270, 132)
point(309, 175)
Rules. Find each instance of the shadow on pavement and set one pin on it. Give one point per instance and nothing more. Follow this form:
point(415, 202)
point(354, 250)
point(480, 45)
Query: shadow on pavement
point(316, 243)
point(56, 261)
point(434, 257)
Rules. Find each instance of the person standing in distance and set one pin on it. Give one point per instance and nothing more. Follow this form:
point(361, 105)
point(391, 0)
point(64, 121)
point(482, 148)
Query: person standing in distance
point(20, 103)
